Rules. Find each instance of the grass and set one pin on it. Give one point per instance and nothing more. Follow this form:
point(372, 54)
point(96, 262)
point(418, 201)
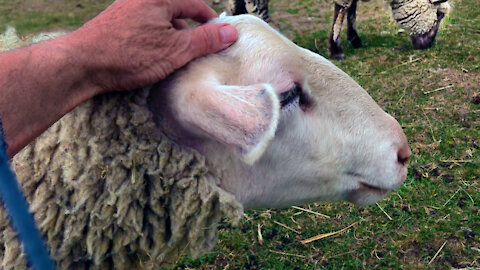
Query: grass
point(433, 220)
point(35, 15)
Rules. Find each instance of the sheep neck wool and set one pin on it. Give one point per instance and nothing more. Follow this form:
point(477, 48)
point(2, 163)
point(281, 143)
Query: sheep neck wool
point(107, 190)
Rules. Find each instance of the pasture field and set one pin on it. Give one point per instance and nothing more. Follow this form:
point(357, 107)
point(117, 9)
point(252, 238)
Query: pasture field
point(433, 220)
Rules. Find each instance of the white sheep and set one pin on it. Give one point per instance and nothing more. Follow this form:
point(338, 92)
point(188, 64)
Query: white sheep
point(129, 180)
point(420, 18)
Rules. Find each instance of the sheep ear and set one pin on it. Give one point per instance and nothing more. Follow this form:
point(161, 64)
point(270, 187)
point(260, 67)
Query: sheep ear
point(243, 118)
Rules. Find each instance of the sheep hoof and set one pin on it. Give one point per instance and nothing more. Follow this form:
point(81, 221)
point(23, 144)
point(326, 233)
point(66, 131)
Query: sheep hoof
point(356, 42)
point(337, 56)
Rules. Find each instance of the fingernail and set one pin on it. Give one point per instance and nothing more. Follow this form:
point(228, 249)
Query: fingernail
point(228, 34)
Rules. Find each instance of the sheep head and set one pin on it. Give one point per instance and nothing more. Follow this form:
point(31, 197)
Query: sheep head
point(281, 125)
point(420, 18)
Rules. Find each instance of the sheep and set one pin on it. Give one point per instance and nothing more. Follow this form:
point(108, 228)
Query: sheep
point(420, 18)
point(133, 179)
point(257, 7)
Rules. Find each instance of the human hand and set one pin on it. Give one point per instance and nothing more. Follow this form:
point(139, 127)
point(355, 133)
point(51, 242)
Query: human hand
point(135, 43)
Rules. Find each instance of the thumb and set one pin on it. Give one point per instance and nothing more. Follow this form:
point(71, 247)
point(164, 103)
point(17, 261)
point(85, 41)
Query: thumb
point(211, 38)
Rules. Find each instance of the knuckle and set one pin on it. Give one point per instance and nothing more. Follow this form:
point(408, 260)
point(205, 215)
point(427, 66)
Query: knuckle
point(207, 39)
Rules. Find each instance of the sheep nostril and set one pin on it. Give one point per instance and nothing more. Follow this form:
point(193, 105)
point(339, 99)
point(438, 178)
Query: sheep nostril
point(403, 155)
point(403, 160)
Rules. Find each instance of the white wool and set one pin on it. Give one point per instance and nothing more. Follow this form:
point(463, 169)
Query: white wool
point(9, 39)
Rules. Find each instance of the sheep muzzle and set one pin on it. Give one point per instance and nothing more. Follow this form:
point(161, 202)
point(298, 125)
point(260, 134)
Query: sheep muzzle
point(426, 40)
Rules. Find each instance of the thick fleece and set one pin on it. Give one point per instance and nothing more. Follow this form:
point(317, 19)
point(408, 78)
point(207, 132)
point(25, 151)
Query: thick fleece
point(109, 191)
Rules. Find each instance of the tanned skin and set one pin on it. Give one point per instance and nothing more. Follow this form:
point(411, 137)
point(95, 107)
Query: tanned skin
point(132, 44)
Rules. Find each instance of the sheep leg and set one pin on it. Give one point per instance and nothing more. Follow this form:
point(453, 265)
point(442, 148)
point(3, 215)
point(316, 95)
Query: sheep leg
point(258, 7)
point(237, 7)
point(262, 9)
point(352, 34)
point(336, 51)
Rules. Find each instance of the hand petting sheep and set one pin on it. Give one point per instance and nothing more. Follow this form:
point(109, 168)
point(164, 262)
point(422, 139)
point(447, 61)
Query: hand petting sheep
point(128, 180)
point(420, 18)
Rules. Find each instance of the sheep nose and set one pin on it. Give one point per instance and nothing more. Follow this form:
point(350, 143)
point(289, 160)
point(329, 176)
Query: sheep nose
point(403, 153)
point(400, 143)
point(422, 42)
point(402, 150)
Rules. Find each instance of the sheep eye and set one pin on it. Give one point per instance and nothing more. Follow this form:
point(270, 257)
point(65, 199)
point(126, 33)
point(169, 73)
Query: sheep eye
point(296, 94)
point(291, 95)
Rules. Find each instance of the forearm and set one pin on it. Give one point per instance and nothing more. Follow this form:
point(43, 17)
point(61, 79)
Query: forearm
point(130, 45)
point(38, 85)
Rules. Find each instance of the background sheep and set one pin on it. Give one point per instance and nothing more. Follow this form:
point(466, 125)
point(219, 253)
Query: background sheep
point(258, 7)
point(420, 18)
point(109, 187)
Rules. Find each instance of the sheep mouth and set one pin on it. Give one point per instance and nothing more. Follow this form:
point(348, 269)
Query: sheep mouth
point(367, 187)
point(425, 41)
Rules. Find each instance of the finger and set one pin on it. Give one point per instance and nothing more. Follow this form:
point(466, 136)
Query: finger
point(211, 38)
point(196, 10)
point(180, 24)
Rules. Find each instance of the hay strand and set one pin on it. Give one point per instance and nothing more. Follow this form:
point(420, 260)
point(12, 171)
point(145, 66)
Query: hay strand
point(438, 89)
point(451, 197)
point(325, 235)
point(436, 254)
point(386, 214)
point(431, 127)
point(286, 227)
point(310, 211)
point(259, 233)
point(287, 254)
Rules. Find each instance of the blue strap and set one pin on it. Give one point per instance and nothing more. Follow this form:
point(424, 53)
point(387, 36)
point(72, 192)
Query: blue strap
point(22, 220)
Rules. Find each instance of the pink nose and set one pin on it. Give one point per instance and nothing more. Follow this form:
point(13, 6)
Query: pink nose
point(400, 143)
point(404, 152)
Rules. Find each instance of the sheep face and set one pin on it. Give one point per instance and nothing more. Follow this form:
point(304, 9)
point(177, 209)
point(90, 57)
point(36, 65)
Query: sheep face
point(421, 18)
point(280, 125)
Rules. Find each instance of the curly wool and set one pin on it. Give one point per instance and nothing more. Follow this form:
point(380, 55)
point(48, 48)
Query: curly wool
point(415, 16)
point(9, 40)
point(109, 190)
point(407, 14)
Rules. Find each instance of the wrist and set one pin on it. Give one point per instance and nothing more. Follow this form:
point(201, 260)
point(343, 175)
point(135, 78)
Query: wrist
point(76, 52)
point(38, 85)
point(98, 65)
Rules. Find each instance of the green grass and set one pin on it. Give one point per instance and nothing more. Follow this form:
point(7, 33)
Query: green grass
point(29, 16)
point(440, 200)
